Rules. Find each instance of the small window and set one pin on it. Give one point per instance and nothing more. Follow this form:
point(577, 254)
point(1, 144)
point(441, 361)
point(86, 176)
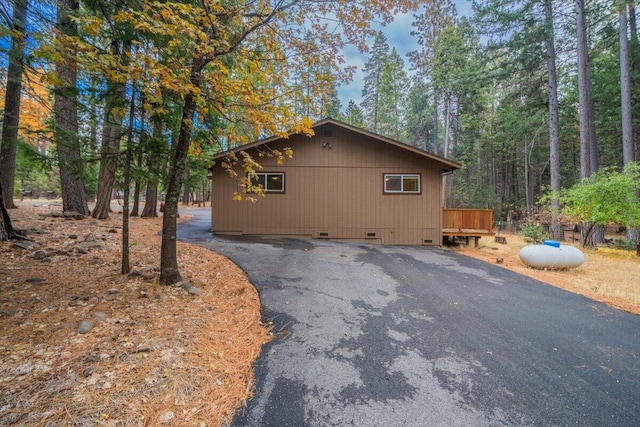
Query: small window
point(272, 182)
point(401, 183)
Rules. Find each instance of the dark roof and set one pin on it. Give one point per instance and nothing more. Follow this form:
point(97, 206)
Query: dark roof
point(448, 165)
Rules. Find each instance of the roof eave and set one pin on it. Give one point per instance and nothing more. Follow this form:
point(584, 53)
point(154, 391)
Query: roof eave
point(450, 165)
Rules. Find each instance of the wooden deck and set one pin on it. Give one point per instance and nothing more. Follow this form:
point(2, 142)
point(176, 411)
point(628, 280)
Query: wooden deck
point(467, 224)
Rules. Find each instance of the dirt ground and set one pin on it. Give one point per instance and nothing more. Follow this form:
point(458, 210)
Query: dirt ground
point(152, 355)
point(608, 275)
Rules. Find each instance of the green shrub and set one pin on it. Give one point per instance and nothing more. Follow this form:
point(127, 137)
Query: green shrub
point(532, 232)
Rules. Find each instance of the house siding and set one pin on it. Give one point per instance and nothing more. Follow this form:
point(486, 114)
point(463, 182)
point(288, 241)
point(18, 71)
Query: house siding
point(336, 193)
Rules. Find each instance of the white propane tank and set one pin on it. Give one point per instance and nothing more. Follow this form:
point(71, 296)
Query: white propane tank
point(551, 255)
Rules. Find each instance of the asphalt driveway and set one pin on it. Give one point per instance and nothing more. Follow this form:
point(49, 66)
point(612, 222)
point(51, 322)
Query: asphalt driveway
point(372, 335)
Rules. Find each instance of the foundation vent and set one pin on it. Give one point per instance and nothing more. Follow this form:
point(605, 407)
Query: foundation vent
point(428, 241)
point(371, 234)
point(323, 234)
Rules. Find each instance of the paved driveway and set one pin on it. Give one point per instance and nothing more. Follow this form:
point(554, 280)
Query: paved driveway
point(410, 336)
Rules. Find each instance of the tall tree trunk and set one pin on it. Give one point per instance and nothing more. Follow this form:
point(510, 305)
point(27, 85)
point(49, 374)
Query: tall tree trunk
point(554, 124)
point(434, 138)
point(126, 268)
point(628, 154)
point(625, 88)
point(11, 120)
point(635, 66)
point(6, 229)
point(150, 209)
point(446, 180)
point(135, 208)
point(588, 146)
point(93, 117)
point(111, 134)
point(186, 193)
point(169, 271)
point(70, 163)
point(151, 198)
point(583, 90)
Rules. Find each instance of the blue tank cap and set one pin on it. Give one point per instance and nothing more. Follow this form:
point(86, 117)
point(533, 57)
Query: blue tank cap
point(553, 243)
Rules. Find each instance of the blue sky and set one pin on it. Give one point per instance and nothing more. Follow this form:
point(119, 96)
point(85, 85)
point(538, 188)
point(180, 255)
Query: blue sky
point(398, 35)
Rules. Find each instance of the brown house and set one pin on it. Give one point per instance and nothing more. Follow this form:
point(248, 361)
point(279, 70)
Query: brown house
point(342, 183)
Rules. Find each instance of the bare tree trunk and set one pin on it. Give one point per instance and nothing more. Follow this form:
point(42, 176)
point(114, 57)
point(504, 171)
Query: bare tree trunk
point(434, 138)
point(135, 208)
point(169, 271)
point(151, 200)
point(6, 229)
point(70, 162)
point(625, 89)
point(554, 125)
point(527, 183)
point(584, 90)
point(111, 134)
point(446, 180)
point(126, 268)
point(635, 65)
point(625, 95)
point(11, 119)
point(588, 145)
point(187, 189)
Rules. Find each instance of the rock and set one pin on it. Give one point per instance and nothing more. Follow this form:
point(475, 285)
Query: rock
point(73, 236)
point(112, 231)
point(192, 290)
point(82, 250)
point(166, 417)
point(22, 245)
point(100, 315)
point(85, 326)
point(56, 214)
point(85, 246)
point(39, 254)
point(112, 291)
point(9, 312)
point(90, 238)
point(135, 273)
point(35, 280)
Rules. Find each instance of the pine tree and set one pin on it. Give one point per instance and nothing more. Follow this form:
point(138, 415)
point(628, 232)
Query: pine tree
point(371, 91)
point(354, 115)
point(394, 85)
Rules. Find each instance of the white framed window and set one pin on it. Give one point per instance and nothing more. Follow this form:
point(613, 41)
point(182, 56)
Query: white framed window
point(399, 183)
point(271, 182)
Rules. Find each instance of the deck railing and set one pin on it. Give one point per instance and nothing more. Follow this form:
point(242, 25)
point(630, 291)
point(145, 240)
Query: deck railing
point(479, 220)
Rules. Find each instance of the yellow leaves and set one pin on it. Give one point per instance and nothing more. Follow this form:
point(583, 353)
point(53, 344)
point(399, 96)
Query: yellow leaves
point(195, 149)
point(90, 25)
point(237, 197)
point(35, 107)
